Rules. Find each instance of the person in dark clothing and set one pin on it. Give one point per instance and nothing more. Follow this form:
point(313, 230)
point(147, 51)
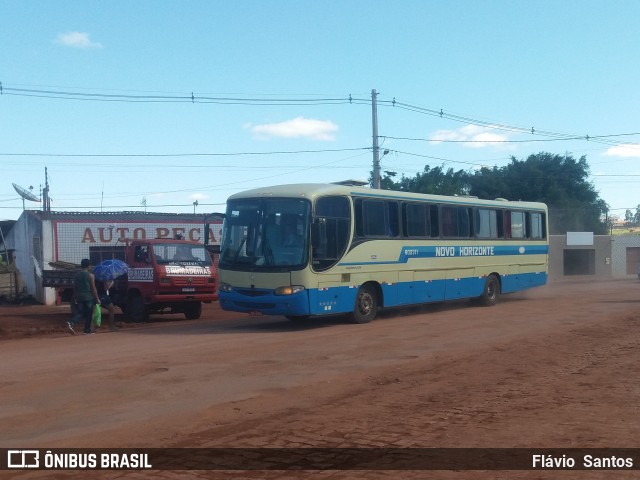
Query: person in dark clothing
point(105, 301)
point(85, 297)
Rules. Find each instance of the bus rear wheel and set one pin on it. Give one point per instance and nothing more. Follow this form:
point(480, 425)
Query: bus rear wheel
point(491, 291)
point(366, 307)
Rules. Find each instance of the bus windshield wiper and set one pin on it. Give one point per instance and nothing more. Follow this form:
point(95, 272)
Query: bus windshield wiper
point(244, 240)
point(268, 251)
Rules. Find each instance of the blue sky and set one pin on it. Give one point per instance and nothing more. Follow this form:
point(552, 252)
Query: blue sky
point(271, 78)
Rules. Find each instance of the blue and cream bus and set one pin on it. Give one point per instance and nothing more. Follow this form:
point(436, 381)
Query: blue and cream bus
point(309, 250)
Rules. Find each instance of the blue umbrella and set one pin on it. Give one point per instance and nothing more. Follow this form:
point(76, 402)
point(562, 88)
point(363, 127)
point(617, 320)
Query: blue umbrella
point(110, 269)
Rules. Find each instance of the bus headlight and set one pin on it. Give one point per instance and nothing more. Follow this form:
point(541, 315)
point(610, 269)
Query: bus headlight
point(288, 290)
point(224, 287)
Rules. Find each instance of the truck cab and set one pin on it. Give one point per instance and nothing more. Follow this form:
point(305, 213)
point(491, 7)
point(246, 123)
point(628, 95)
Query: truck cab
point(166, 276)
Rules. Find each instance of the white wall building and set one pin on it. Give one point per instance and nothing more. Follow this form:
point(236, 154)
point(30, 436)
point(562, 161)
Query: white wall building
point(39, 238)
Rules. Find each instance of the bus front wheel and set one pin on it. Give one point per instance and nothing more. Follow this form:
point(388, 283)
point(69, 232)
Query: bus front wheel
point(366, 307)
point(491, 291)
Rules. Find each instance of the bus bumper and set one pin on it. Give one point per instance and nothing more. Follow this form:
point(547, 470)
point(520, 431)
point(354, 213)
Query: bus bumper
point(264, 301)
point(183, 297)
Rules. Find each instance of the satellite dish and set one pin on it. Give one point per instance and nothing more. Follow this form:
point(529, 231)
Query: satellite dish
point(25, 194)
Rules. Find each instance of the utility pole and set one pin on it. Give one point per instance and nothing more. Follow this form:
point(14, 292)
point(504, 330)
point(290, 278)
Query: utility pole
point(376, 149)
point(46, 201)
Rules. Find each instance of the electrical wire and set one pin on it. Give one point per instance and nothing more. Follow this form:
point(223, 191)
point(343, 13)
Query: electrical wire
point(65, 94)
point(556, 136)
point(438, 140)
point(184, 98)
point(163, 155)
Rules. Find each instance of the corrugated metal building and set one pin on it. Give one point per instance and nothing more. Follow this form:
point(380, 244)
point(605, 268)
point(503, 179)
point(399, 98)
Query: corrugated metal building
point(39, 238)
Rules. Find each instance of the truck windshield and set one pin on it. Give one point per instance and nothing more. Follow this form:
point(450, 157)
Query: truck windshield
point(180, 253)
point(265, 234)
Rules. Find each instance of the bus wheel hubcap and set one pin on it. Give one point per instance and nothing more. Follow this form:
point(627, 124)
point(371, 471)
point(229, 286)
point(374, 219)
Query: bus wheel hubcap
point(366, 303)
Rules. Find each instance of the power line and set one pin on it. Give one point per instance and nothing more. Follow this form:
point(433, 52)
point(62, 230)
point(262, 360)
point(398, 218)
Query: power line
point(438, 140)
point(282, 100)
point(271, 100)
point(448, 160)
point(499, 126)
point(184, 98)
point(298, 169)
point(163, 155)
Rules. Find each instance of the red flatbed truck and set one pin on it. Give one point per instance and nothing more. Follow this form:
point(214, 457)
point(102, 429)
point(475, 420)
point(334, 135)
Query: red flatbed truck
point(165, 276)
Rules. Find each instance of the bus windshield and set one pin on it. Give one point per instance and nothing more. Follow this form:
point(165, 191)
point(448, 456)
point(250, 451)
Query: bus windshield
point(265, 234)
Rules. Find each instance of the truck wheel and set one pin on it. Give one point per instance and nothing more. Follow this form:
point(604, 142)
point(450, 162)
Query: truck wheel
point(366, 307)
point(192, 311)
point(136, 310)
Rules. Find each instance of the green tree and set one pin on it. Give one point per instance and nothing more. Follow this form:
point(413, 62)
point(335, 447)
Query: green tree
point(629, 217)
point(435, 181)
point(560, 181)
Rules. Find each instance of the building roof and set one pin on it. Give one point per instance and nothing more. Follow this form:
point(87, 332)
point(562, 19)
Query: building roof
point(130, 216)
point(6, 225)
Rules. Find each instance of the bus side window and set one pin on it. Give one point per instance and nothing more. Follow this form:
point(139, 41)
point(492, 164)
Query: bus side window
point(517, 225)
point(377, 218)
point(507, 224)
point(486, 223)
point(330, 231)
point(449, 227)
point(434, 219)
point(358, 220)
point(536, 228)
point(464, 222)
point(456, 222)
point(373, 218)
point(500, 223)
point(393, 229)
point(415, 220)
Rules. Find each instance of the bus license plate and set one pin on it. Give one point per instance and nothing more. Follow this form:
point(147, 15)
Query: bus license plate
point(189, 289)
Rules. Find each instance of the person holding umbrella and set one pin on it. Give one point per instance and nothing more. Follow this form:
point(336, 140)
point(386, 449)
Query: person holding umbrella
point(103, 288)
point(106, 272)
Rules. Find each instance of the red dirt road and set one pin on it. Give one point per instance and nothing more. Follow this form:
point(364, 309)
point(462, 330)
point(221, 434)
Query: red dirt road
point(553, 367)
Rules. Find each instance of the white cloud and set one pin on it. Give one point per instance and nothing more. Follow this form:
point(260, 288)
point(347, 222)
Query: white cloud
point(627, 150)
point(478, 137)
point(76, 40)
point(299, 127)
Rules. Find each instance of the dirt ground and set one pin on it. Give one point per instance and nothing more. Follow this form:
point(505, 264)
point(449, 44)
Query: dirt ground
point(552, 367)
